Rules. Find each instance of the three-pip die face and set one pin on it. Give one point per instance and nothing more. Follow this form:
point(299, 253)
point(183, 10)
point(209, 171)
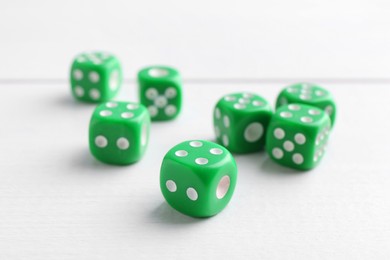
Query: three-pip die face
point(297, 136)
point(160, 92)
point(240, 122)
point(95, 77)
point(119, 132)
point(198, 178)
point(309, 94)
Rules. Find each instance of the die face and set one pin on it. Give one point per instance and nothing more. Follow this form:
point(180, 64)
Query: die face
point(297, 136)
point(119, 132)
point(160, 91)
point(309, 94)
point(95, 77)
point(241, 121)
point(198, 178)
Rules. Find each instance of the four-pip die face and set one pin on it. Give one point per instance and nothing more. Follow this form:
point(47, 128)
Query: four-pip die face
point(309, 94)
point(95, 77)
point(241, 121)
point(198, 178)
point(119, 132)
point(297, 136)
point(160, 91)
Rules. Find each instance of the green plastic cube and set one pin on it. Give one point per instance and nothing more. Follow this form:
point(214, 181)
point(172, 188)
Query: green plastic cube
point(119, 132)
point(309, 94)
point(95, 77)
point(198, 178)
point(161, 92)
point(297, 136)
point(241, 121)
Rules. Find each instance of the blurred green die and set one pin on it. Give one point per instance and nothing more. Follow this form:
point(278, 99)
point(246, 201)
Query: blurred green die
point(309, 94)
point(119, 132)
point(241, 121)
point(95, 77)
point(161, 92)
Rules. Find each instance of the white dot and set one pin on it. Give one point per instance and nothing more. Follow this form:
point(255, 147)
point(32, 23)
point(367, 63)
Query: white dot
point(79, 91)
point(277, 153)
point(279, 133)
point(314, 112)
point(244, 101)
point(230, 98)
point(122, 143)
point(315, 157)
point(78, 74)
point(132, 106)
point(292, 90)
point(225, 140)
point(94, 77)
point(226, 121)
point(288, 146)
point(94, 94)
point(253, 132)
point(329, 110)
point(170, 92)
point(216, 151)
point(306, 119)
point(151, 93)
point(101, 141)
point(306, 86)
point(144, 134)
point(297, 158)
point(318, 140)
point(217, 131)
point(300, 138)
point(111, 104)
point(171, 186)
point(306, 92)
point(304, 97)
point(239, 106)
point(81, 59)
point(201, 161)
point(157, 72)
point(160, 101)
point(181, 153)
point(153, 111)
point(319, 93)
point(105, 113)
point(217, 113)
point(170, 110)
point(223, 187)
point(127, 115)
point(192, 194)
point(247, 95)
point(285, 114)
point(196, 144)
point(294, 107)
point(114, 80)
point(258, 103)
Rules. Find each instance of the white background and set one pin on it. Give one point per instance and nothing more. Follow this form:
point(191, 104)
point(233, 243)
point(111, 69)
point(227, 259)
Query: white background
point(57, 202)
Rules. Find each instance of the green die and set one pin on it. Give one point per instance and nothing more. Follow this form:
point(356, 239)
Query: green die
point(241, 121)
point(95, 77)
point(160, 91)
point(297, 136)
point(309, 94)
point(119, 132)
point(198, 178)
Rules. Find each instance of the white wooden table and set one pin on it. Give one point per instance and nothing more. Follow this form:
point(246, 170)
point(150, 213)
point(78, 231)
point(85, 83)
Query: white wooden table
point(57, 202)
